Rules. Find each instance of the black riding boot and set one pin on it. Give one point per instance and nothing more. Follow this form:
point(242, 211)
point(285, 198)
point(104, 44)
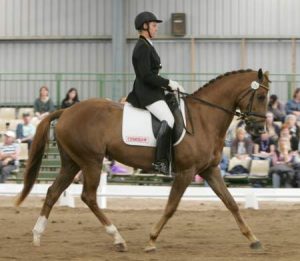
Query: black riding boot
point(163, 149)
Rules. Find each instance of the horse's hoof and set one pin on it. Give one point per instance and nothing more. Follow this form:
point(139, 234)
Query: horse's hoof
point(149, 249)
point(121, 247)
point(256, 245)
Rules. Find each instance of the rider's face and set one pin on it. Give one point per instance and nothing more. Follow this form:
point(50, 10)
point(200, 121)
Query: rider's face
point(153, 28)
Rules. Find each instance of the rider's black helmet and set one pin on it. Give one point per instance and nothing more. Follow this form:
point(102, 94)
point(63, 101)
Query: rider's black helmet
point(145, 17)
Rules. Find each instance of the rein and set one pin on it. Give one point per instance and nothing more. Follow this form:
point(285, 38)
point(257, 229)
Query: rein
point(241, 115)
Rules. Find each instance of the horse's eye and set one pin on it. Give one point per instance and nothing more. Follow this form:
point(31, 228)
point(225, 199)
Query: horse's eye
point(261, 97)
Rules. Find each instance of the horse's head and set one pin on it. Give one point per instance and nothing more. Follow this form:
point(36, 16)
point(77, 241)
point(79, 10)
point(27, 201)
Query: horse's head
point(253, 103)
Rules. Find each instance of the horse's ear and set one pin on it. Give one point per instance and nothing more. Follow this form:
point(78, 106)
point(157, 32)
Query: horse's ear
point(260, 74)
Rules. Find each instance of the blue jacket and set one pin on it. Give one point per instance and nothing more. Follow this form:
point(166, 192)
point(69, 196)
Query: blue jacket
point(291, 106)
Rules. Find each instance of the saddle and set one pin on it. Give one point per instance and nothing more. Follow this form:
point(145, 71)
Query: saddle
point(140, 127)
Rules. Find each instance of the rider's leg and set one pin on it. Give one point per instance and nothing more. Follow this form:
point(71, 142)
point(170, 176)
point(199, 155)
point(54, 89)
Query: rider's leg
point(161, 111)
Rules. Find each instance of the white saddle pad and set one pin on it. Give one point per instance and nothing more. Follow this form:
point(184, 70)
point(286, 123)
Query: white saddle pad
point(137, 126)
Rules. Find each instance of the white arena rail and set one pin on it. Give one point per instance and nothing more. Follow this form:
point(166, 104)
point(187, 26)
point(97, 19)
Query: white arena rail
point(133, 191)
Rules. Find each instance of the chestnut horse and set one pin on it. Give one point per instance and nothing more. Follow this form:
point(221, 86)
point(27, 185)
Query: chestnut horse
point(91, 130)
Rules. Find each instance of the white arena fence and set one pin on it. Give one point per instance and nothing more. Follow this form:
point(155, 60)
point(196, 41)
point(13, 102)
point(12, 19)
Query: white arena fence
point(132, 191)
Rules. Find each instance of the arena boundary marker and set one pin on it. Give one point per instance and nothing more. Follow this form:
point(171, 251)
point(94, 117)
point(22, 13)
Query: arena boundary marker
point(132, 191)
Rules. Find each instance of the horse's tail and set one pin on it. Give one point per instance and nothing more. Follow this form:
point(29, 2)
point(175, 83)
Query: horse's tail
point(36, 154)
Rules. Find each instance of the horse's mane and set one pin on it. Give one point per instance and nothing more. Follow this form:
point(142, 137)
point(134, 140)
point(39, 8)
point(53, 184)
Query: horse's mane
point(220, 77)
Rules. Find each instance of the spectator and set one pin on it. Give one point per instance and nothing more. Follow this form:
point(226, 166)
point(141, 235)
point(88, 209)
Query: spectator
point(276, 107)
point(70, 99)
point(291, 122)
point(9, 153)
point(282, 173)
point(241, 146)
point(26, 130)
point(293, 106)
point(272, 129)
point(231, 131)
point(43, 105)
point(285, 133)
point(264, 146)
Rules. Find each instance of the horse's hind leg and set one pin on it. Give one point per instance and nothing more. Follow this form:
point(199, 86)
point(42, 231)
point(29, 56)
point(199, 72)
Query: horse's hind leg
point(68, 170)
point(91, 180)
point(181, 181)
point(214, 179)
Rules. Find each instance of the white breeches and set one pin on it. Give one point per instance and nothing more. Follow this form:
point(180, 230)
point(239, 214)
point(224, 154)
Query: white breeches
point(162, 112)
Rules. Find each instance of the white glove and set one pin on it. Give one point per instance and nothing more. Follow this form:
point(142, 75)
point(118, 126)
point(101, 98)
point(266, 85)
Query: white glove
point(175, 86)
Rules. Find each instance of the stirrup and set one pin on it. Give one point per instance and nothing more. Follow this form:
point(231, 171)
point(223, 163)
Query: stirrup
point(161, 167)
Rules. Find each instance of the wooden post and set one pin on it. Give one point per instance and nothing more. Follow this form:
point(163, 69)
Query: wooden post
point(294, 48)
point(243, 54)
point(193, 63)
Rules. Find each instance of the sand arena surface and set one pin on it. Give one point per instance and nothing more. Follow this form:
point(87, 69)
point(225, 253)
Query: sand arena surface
point(198, 231)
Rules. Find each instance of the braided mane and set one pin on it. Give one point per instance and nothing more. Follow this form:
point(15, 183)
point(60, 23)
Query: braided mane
point(222, 76)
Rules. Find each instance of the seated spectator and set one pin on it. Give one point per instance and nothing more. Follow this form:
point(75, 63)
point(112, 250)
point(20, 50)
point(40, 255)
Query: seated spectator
point(241, 146)
point(231, 131)
point(26, 130)
point(291, 122)
point(43, 105)
point(282, 172)
point(285, 133)
point(272, 129)
point(293, 106)
point(70, 99)
point(276, 107)
point(264, 146)
point(9, 153)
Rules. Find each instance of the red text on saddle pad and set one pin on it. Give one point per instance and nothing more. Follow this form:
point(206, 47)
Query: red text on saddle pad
point(144, 140)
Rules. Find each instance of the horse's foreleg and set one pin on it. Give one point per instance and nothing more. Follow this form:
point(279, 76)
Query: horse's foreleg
point(181, 181)
point(89, 196)
point(214, 179)
point(63, 180)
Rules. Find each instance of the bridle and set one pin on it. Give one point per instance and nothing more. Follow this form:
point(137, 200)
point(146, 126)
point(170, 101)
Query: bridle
point(246, 116)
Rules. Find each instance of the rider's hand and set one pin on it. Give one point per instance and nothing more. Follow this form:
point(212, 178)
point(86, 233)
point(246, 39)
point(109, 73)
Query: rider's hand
point(175, 86)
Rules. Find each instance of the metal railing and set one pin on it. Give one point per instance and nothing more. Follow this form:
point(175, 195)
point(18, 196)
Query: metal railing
point(20, 89)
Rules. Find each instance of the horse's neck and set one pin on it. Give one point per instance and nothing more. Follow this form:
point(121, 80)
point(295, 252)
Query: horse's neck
point(224, 96)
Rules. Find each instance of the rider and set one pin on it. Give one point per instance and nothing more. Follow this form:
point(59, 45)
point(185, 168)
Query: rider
point(148, 86)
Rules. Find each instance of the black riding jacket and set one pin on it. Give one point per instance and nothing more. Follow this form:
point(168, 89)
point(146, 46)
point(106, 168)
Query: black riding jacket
point(147, 85)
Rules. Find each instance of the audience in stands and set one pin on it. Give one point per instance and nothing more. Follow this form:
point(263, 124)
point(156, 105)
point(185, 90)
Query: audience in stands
point(70, 99)
point(26, 130)
point(272, 129)
point(282, 172)
point(43, 105)
point(276, 107)
point(293, 105)
point(291, 122)
point(264, 146)
point(241, 147)
point(9, 153)
point(285, 133)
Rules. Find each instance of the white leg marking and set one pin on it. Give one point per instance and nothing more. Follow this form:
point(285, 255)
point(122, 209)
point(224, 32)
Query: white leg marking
point(38, 230)
point(113, 231)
